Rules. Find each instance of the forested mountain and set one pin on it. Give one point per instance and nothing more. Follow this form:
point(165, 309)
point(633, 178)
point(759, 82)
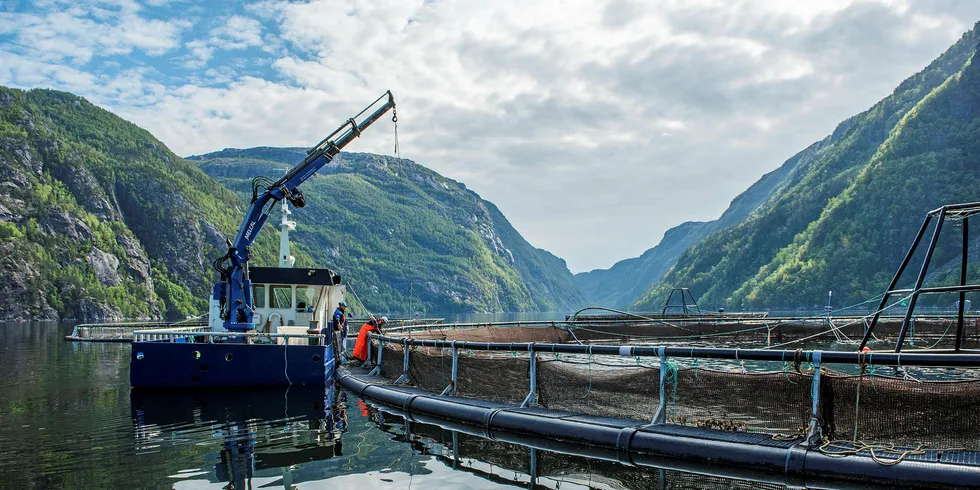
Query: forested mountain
point(622, 283)
point(851, 205)
point(407, 238)
point(99, 220)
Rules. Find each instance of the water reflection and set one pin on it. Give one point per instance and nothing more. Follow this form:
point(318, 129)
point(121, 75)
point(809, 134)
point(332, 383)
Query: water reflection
point(537, 463)
point(257, 430)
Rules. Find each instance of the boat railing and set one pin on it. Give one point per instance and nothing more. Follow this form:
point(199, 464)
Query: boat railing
point(203, 335)
point(122, 331)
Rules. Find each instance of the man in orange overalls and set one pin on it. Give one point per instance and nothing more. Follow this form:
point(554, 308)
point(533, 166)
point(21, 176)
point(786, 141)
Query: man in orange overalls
point(362, 345)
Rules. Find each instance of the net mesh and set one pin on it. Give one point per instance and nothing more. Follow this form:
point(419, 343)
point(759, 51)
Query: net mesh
point(907, 412)
point(935, 408)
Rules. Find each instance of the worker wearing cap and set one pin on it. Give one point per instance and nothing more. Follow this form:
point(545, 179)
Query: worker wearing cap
point(362, 345)
point(340, 317)
point(339, 330)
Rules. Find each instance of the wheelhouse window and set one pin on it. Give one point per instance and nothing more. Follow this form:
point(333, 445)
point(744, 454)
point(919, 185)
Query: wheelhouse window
point(258, 296)
point(281, 296)
point(307, 296)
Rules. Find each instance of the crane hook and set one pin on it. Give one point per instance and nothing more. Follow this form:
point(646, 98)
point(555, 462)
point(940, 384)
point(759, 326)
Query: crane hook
point(394, 119)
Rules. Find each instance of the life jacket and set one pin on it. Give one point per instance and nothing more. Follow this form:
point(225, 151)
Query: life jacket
point(361, 346)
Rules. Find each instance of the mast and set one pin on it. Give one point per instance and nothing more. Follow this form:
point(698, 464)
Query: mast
point(285, 259)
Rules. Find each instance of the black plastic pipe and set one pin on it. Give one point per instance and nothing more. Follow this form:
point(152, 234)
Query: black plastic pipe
point(832, 357)
point(632, 441)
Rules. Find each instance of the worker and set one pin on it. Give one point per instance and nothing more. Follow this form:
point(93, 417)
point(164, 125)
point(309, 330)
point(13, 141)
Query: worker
point(362, 345)
point(339, 330)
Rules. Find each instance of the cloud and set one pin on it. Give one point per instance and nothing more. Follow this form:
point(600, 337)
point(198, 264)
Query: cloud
point(593, 126)
point(235, 33)
point(76, 33)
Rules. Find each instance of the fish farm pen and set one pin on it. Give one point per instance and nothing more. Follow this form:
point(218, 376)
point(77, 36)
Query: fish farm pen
point(804, 415)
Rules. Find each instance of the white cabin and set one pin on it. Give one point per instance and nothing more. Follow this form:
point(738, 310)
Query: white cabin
point(287, 300)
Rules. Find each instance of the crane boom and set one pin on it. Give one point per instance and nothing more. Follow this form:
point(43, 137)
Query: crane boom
point(234, 290)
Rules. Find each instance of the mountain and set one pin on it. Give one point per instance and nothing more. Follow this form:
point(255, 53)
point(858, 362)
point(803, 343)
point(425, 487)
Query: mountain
point(845, 213)
point(622, 283)
point(406, 238)
point(98, 219)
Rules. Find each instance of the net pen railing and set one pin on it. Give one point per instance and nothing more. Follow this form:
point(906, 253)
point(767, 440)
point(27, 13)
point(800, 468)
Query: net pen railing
point(913, 399)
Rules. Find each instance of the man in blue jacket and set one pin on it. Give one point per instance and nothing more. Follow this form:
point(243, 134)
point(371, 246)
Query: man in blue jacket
point(340, 326)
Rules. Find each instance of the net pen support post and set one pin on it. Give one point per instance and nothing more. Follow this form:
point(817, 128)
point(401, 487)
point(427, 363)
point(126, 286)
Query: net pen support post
point(381, 350)
point(403, 379)
point(532, 396)
point(814, 431)
point(451, 389)
point(661, 416)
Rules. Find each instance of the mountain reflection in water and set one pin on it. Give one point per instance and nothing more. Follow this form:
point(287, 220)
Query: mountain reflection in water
point(68, 419)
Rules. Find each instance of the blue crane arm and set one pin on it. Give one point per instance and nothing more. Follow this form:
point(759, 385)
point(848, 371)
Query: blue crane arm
point(234, 291)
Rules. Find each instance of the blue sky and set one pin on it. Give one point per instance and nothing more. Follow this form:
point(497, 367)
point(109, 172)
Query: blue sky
point(593, 125)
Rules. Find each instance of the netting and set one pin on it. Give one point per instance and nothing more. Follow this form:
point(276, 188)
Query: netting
point(699, 397)
point(934, 408)
point(924, 332)
point(903, 411)
point(431, 369)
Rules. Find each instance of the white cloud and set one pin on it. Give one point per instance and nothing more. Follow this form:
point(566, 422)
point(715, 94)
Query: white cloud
point(593, 126)
point(236, 32)
point(77, 32)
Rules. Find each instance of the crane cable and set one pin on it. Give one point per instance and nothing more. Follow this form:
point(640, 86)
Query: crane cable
point(394, 119)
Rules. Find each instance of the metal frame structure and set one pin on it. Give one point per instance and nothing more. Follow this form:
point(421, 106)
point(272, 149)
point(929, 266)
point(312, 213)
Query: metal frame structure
point(688, 308)
point(950, 212)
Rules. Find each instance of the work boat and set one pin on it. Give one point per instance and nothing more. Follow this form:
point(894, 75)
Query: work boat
point(267, 326)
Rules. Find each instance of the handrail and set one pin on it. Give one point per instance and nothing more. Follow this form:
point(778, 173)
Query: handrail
point(138, 335)
point(933, 358)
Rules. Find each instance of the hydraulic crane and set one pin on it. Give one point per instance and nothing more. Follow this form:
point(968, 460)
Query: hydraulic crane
point(234, 291)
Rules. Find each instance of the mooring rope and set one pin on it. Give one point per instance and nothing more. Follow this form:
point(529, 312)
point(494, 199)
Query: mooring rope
point(878, 452)
point(845, 325)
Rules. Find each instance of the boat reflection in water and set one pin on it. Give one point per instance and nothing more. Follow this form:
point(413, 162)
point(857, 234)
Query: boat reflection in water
point(279, 438)
point(257, 430)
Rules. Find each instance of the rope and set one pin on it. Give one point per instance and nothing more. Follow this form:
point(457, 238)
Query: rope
point(286, 359)
point(589, 389)
point(766, 325)
point(941, 337)
point(846, 324)
point(358, 298)
point(671, 378)
point(641, 317)
point(857, 401)
point(878, 452)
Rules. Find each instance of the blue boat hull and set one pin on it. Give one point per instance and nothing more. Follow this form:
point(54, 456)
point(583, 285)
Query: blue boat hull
point(181, 365)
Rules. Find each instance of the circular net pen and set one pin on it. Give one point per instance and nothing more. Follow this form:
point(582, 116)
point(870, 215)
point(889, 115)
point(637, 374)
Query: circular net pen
point(882, 405)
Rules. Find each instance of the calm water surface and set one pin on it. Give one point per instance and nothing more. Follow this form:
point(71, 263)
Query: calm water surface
point(68, 419)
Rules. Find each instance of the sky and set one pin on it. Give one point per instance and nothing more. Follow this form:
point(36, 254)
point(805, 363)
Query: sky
point(594, 126)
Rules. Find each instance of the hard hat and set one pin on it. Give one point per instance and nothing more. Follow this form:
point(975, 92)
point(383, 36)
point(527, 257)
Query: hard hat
point(342, 304)
point(384, 319)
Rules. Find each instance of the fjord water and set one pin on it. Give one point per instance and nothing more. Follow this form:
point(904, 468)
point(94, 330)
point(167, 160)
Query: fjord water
point(68, 419)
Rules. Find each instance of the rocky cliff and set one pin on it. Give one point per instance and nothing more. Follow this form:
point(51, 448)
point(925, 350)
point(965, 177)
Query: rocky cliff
point(407, 238)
